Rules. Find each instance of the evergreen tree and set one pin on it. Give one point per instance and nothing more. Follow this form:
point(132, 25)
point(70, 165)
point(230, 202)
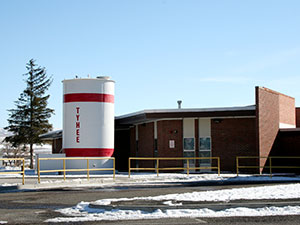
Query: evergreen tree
point(30, 118)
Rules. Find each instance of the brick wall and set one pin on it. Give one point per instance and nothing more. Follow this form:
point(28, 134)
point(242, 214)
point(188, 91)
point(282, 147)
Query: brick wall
point(286, 110)
point(297, 117)
point(231, 138)
point(146, 143)
point(170, 130)
point(272, 108)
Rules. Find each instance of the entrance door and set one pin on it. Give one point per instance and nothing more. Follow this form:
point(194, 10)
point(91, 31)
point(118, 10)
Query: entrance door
point(189, 151)
point(205, 151)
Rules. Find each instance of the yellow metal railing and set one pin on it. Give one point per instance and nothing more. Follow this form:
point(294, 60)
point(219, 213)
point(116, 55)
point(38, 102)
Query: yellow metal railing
point(270, 166)
point(187, 168)
point(16, 172)
point(64, 170)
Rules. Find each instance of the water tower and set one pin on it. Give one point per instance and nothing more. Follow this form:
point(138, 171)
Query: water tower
point(88, 117)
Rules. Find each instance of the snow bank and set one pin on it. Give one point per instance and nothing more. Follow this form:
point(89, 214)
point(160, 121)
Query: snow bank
point(287, 191)
point(99, 215)
point(82, 212)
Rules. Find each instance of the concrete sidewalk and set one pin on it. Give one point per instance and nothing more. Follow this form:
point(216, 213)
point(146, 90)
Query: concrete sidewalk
point(14, 183)
point(53, 182)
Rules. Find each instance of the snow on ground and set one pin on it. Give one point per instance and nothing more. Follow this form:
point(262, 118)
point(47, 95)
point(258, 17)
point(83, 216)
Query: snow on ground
point(100, 215)
point(82, 211)
point(141, 178)
point(286, 191)
point(10, 168)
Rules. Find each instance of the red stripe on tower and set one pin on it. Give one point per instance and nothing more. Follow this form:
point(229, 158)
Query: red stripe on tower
point(88, 97)
point(89, 152)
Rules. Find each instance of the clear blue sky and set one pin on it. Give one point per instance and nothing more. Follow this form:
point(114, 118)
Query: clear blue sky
point(207, 53)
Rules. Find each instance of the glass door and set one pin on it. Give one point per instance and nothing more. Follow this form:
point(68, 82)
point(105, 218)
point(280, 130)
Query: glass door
point(189, 151)
point(205, 151)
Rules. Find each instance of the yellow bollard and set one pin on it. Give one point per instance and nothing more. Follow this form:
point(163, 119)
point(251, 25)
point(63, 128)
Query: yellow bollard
point(39, 175)
point(218, 166)
point(157, 166)
point(88, 169)
point(129, 168)
point(188, 167)
point(270, 167)
point(23, 171)
point(114, 165)
point(237, 166)
point(64, 164)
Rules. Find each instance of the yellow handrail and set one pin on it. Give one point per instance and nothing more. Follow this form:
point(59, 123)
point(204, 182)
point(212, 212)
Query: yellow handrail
point(21, 172)
point(187, 168)
point(270, 166)
point(64, 170)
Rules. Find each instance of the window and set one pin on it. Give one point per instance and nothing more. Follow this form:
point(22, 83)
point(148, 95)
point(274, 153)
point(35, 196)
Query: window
point(188, 144)
point(204, 143)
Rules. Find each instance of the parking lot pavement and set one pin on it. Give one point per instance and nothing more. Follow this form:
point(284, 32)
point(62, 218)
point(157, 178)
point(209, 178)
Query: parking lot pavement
point(271, 220)
point(37, 206)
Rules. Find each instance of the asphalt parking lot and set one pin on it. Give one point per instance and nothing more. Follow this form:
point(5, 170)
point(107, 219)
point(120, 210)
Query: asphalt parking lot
point(34, 207)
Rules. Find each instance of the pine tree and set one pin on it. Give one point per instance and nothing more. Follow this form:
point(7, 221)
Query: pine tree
point(31, 116)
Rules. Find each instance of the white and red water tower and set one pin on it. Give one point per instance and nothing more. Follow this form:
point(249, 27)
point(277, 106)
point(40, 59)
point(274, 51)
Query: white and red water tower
point(88, 117)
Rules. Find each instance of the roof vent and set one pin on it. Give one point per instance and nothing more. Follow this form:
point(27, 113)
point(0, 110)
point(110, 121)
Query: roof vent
point(179, 104)
point(103, 77)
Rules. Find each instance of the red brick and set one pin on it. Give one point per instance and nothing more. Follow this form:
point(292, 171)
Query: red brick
point(231, 138)
point(271, 109)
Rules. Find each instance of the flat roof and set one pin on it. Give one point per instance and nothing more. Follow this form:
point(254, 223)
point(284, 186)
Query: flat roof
point(146, 115)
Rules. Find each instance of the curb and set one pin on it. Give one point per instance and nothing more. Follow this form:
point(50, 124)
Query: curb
point(197, 205)
point(8, 188)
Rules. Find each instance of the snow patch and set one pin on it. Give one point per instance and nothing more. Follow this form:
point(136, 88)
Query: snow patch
point(100, 214)
point(170, 203)
point(287, 191)
point(82, 212)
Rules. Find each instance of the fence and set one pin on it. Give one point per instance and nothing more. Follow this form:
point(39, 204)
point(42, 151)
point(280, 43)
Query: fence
point(64, 170)
point(268, 165)
point(16, 172)
point(187, 168)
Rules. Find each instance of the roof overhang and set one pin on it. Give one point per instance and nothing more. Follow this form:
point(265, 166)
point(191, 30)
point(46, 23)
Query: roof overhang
point(289, 130)
point(149, 115)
